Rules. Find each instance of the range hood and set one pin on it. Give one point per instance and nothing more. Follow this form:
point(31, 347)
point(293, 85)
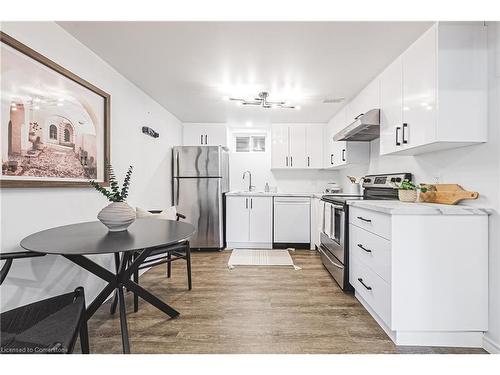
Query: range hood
point(366, 127)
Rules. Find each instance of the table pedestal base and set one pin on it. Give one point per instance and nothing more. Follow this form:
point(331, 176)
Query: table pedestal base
point(116, 282)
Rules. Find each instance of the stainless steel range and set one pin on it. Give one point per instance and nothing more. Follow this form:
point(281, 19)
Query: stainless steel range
point(334, 248)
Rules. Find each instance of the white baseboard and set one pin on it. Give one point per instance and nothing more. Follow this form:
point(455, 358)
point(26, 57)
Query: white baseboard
point(464, 339)
point(490, 346)
point(247, 245)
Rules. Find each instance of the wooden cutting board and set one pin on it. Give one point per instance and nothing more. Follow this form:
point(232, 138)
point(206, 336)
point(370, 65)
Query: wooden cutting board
point(447, 194)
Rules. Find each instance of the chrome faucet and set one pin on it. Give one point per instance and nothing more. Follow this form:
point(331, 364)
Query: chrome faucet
point(250, 186)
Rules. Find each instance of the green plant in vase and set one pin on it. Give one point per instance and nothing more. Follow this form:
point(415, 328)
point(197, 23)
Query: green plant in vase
point(408, 191)
point(118, 215)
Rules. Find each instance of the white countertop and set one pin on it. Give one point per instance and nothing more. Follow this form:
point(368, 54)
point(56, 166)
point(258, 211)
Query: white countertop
point(241, 193)
point(394, 207)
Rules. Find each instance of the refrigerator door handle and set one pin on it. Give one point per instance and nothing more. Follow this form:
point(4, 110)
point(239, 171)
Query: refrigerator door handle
point(177, 164)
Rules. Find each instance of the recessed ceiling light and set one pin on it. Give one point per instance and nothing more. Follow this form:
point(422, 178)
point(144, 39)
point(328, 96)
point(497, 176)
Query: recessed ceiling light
point(248, 124)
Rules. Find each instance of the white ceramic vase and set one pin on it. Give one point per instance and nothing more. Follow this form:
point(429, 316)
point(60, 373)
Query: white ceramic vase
point(117, 216)
point(407, 195)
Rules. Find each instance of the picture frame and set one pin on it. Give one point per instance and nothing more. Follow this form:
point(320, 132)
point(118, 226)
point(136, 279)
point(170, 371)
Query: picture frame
point(55, 129)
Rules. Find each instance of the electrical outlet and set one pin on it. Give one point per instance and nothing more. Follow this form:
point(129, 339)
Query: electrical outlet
point(437, 179)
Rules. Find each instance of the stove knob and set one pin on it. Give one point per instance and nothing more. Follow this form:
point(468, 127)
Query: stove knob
point(368, 180)
point(393, 179)
point(398, 179)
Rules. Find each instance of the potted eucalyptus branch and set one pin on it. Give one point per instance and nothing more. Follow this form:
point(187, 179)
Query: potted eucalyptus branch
point(118, 215)
point(407, 191)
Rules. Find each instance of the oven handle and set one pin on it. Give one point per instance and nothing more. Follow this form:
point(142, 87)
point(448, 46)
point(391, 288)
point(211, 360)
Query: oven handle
point(336, 206)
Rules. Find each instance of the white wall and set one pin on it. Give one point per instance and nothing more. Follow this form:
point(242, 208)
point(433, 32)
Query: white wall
point(260, 166)
point(24, 211)
point(476, 168)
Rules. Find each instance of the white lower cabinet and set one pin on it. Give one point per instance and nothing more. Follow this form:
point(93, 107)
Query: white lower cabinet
point(424, 278)
point(249, 222)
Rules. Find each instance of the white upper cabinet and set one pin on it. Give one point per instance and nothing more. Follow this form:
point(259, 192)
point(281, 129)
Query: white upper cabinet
point(391, 102)
point(368, 98)
point(338, 154)
point(419, 91)
point(204, 134)
point(314, 146)
point(297, 146)
point(279, 150)
point(442, 92)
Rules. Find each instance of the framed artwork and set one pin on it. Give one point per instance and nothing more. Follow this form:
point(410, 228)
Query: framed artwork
point(54, 125)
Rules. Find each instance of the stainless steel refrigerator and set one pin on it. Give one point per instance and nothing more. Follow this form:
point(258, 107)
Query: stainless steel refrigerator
point(200, 179)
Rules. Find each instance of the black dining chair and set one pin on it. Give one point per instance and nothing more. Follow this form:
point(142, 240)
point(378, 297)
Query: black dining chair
point(49, 326)
point(163, 255)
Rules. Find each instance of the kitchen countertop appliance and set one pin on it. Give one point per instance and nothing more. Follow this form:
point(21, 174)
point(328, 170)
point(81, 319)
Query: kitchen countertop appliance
point(332, 188)
point(200, 180)
point(334, 236)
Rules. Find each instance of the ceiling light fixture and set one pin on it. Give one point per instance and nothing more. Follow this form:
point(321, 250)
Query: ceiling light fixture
point(262, 101)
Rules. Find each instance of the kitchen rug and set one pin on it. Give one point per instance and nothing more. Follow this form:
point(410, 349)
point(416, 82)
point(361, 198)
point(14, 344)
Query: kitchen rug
point(245, 257)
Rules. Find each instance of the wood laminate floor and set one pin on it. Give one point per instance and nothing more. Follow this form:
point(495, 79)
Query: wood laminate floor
point(248, 310)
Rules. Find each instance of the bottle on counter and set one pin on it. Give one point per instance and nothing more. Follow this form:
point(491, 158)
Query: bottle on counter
point(266, 188)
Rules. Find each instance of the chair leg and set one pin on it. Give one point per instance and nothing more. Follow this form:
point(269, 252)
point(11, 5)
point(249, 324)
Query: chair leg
point(136, 297)
point(84, 336)
point(169, 265)
point(112, 309)
point(188, 265)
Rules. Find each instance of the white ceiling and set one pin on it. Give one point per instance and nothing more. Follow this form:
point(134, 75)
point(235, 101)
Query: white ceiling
point(188, 67)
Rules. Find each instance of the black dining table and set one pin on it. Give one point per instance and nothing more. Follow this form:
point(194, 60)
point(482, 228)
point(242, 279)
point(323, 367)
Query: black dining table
point(76, 241)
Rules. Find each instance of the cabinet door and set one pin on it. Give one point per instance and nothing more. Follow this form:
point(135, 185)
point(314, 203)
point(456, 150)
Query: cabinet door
point(314, 146)
point(328, 145)
point(215, 135)
point(391, 107)
point(237, 219)
point(339, 153)
point(193, 135)
point(279, 150)
point(261, 219)
point(297, 146)
point(419, 91)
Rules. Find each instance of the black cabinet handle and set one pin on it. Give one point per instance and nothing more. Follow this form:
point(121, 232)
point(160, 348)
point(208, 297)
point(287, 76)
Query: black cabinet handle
point(343, 154)
point(331, 159)
point(358, 116)
point(201, 139)
point(362, 283)
point(364, 248)
point(286, 161)
point(251, 203)
point(308, 162)
point(362, 218)
point(397, 136)
point(405, 126)
point(291, 161)
point(246, 202)
point(206, 139)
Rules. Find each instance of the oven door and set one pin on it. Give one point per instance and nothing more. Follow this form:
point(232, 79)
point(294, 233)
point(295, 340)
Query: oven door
point(332, 235)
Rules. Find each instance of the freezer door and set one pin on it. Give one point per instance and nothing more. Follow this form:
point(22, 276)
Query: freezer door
point(197, 161)
point(200, 199)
